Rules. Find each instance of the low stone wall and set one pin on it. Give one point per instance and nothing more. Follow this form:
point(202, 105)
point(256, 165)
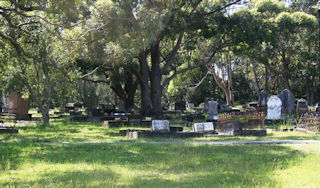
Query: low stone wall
point(150, 134)
point(8, 130)
point(250, 133)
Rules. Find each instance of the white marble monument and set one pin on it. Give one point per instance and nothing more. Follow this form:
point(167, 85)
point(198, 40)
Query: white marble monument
point(274, 108)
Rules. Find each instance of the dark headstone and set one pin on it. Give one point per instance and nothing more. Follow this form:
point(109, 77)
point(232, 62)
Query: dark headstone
point(288, 102)
point(302, 106)
point(176, 129)
point(212, 110)
point(108, 108)
point(263, 99)
point(74, 113)
point(95, 112)
point(206, 104)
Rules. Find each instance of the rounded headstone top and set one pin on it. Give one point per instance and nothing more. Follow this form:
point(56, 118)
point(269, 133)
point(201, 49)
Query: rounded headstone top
point(302, 101)
point(274, 101)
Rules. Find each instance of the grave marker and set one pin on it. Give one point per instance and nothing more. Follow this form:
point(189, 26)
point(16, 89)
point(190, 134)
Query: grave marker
point(288, 102)
point(203, 127)
point(161, 125)
point(274, 108)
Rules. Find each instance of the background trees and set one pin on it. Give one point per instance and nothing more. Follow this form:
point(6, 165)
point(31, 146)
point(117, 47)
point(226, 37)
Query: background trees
point(146, 52)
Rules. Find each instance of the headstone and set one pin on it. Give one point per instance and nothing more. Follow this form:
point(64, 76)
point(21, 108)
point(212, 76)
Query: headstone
point(288, 102)
point(212, 110)
point(95, 112)
point(274, 108)
point(302, 106)
point(206, 104)
point(190, 106)
point(74, 113)
point(224, 107)
point(161, 125)
point(18, 106)
point(72, 106)
point(263, 98)
point(171, 107)
point(180, 105)
point(203, 127)
point(108, 108)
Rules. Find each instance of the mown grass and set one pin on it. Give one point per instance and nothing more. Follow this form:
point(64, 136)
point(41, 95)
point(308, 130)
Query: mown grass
point(26, 162)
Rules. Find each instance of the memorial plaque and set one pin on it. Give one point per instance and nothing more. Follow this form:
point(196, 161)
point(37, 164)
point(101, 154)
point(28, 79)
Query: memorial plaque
point(161, 125)
point(274, 108)
point(203, 127)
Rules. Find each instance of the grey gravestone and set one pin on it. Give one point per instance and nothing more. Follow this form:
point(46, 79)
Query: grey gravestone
point(206, 104)
point(190, 106)
point(212, 110)
point(288, 102)
point(161, 125)
point(274, 108)
point(263, 98)
point(302, 106)
point(203, 127)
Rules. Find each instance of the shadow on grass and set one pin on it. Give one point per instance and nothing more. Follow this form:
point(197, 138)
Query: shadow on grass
point(71, 178)
point(170, 165)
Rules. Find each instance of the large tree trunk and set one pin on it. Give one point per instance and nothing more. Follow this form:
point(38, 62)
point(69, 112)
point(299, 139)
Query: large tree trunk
point(256, 81)
point(146, 103)
point(155, 78)
point(127, 94)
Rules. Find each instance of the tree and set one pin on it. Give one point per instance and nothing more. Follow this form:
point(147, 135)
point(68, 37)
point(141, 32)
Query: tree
point(29, 29)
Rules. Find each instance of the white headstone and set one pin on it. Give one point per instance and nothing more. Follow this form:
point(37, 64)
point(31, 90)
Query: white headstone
point(203, 127)
point(161, 125)
point(274, 108)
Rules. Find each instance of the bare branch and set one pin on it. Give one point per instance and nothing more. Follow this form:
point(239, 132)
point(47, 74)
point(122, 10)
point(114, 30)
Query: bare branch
point(169, 60)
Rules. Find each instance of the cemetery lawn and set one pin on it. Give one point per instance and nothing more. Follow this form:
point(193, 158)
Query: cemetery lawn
point(26, 162)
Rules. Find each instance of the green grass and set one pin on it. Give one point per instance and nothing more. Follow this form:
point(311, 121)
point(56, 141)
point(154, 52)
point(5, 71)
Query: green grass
point(25, 162)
